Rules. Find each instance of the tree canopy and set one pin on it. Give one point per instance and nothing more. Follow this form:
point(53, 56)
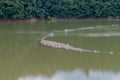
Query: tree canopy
point(22, 9)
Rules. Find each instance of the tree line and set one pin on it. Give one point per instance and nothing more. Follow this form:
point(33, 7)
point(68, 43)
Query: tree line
point(23, 9)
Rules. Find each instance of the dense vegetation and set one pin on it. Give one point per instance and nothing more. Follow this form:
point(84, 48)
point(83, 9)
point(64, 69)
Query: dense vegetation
point(22, 9)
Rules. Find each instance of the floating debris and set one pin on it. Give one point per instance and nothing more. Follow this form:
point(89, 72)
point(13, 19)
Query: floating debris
point(111, 52)
point(51, 34)
point(55, 44)
point(95, 51)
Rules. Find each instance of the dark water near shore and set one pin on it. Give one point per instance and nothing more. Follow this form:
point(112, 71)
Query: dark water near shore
point(22, 57)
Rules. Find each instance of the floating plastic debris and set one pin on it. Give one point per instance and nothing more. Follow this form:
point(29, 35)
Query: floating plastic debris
point(51, 34)
point(111, 52)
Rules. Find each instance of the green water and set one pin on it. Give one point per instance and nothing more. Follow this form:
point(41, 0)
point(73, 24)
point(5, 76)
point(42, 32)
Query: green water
point(22, 57)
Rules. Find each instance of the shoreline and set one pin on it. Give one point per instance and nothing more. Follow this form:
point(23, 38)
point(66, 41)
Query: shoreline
point(59, 19)
point(27, 19)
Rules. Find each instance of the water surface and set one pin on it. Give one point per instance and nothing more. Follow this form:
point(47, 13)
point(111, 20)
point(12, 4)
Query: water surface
point(22, 57)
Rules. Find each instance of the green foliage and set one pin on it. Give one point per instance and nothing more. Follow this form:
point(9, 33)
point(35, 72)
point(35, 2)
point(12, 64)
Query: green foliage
point(20, 9)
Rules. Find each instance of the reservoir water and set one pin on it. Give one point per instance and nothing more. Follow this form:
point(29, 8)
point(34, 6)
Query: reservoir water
point(23, 57)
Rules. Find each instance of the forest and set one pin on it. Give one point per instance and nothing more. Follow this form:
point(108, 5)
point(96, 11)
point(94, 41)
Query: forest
point(25, 9)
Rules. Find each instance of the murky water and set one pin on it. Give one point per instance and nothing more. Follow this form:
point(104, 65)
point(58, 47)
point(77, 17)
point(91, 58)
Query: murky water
point(22, 57)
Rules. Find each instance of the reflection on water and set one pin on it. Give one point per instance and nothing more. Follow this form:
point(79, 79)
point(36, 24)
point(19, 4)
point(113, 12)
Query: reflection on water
point(77, 75)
